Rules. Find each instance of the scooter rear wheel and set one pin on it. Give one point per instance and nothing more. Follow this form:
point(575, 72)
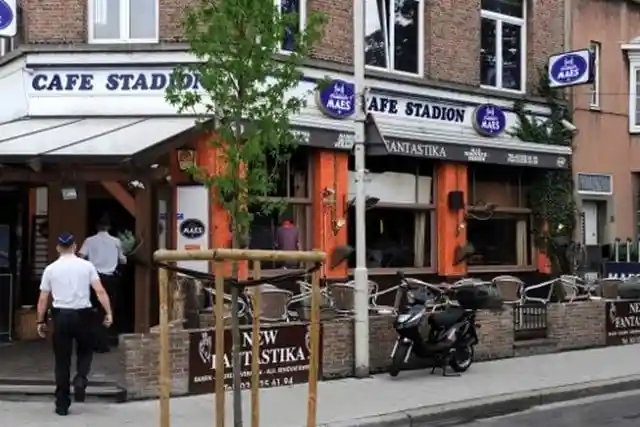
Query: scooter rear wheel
point(462, 358)
point(397, 361)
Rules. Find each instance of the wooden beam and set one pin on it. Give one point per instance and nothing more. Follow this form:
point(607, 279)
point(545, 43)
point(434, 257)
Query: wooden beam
point(121, 194)
point(71, 173)
point(146, 224)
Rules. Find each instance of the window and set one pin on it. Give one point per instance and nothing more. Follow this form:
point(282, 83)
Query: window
point(594, 90)
point(499, 240)
point(123, 21)
point(7, 44)
point(294, 206)
point(503, 45)
point(396, 238)
point(299, 8)
point(400, 228)
point(634, 98)
point(503, 237)
point(393, 35)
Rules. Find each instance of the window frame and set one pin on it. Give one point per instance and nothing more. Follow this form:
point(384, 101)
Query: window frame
point(499, 19)
point(125, 26)
point(306, 229)
point(7, 45)
point(390, 54)
point(302, 21)
point(634, 70)
point(594, 92)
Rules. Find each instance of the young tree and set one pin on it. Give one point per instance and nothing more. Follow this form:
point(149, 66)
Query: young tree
point(243, 97)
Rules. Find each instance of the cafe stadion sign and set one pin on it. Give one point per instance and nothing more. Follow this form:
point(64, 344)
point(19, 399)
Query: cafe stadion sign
point(284, 358)
point(623, 322)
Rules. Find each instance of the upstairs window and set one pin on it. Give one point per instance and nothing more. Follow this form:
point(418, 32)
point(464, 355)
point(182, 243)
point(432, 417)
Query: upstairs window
point(394, 35)
point(634, 97)
point(503, 45)
point(299, 8)
point(123, 21)
point(7, 44)
point(594, 102)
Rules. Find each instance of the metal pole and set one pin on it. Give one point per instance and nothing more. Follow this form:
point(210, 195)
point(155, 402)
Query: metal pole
point(361, 302)
point(236, 369)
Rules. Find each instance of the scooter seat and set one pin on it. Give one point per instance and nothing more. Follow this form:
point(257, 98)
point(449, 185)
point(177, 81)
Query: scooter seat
point(447, 318)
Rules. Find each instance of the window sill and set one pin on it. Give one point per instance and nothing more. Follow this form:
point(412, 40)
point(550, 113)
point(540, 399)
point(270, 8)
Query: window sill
point(501, 268)
point(121, 41)
point(595, 108)
point(504, 90)
point(391, 72)
point(394, 270)
point(500, 209)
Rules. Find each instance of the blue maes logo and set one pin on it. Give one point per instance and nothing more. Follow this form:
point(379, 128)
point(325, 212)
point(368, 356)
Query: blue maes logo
point(338, 99)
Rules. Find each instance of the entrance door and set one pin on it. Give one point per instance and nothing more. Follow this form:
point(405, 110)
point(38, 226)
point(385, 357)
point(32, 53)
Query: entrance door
point(8, 261)
point(590, 212)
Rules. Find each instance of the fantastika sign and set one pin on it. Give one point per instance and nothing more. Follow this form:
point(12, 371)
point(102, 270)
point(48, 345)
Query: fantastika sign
point(622, 322)
point(284, 358)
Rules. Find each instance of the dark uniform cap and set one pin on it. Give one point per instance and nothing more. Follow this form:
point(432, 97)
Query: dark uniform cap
point(65, 239)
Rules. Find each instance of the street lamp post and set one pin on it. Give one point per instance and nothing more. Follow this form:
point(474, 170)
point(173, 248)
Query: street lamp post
point(361, 332)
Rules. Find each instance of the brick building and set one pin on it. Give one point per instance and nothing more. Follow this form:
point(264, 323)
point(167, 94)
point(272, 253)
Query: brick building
point(605, 161)
point(89, 75)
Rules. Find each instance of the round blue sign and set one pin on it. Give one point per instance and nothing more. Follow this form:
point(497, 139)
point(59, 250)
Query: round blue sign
point(338, 99)
point(6, 15)
point(568, 68)
point(489, 120)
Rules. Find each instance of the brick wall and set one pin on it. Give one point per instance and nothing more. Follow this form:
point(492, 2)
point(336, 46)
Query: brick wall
point(140, 354)
point(452, 34)
point(577, 325)
point(570, 326)
point(495, 334)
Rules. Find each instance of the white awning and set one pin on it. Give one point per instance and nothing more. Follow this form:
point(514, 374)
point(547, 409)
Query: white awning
point(89, 137)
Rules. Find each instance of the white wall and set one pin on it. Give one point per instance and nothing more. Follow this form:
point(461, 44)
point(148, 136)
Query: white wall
point(13, 97)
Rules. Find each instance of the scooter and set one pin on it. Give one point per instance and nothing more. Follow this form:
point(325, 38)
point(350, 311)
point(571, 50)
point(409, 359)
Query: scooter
point(452, 327)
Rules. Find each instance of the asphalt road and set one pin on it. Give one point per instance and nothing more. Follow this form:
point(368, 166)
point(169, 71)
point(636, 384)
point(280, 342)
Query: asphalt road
point(617, 410)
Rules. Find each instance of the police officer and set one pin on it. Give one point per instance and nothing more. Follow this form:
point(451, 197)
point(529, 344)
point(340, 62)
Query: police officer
point(104, 251)
point(68, 280)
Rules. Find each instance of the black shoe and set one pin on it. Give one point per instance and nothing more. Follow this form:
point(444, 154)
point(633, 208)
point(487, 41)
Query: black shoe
point(79, 390)
point(62, 411)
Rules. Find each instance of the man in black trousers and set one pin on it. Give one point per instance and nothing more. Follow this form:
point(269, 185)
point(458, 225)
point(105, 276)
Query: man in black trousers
point(69, 280)
point(104, 251)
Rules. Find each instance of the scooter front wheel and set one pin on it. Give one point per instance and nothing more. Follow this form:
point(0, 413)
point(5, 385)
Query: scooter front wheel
point(462, 358)
point(397, 359)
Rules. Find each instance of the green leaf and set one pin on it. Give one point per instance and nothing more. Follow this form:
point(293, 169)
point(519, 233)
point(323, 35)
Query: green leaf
point(244, 96)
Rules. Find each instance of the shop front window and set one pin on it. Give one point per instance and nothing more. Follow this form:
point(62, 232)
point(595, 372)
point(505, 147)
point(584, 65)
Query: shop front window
point(400, 226)
point(283, 220)
point(498, 219)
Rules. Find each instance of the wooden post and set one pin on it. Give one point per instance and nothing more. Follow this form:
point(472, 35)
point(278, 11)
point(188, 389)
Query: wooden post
point(219, 351)
point(314, 358)
point(255, 349)
point(165, 375)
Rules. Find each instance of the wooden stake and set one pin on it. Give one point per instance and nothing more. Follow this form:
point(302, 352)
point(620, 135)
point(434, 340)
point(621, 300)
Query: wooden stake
point(165, 374)
point(255, 350)
point(314, 357)
point(219, 312)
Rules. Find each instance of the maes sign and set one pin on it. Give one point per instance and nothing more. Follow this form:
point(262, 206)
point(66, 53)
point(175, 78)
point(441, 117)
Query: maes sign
point(622, 322)
point(284, 358)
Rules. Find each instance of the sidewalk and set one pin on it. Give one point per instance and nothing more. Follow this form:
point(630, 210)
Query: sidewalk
point(344, 402)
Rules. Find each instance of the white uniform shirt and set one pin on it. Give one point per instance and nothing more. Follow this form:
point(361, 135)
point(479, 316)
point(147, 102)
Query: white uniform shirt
point(68, 279)
point(104, 251)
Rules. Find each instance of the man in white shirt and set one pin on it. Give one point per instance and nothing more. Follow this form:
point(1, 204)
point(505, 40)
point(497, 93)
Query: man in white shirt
point(69, 280)
point(104, 251)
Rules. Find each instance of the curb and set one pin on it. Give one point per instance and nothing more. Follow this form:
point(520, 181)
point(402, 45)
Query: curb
point(469, 410)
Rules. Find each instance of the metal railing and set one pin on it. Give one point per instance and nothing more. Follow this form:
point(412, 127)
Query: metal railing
point(529, 321)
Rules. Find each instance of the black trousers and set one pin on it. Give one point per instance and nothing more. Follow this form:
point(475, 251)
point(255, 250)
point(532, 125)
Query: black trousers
point(71, 326)
point(103, 334)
